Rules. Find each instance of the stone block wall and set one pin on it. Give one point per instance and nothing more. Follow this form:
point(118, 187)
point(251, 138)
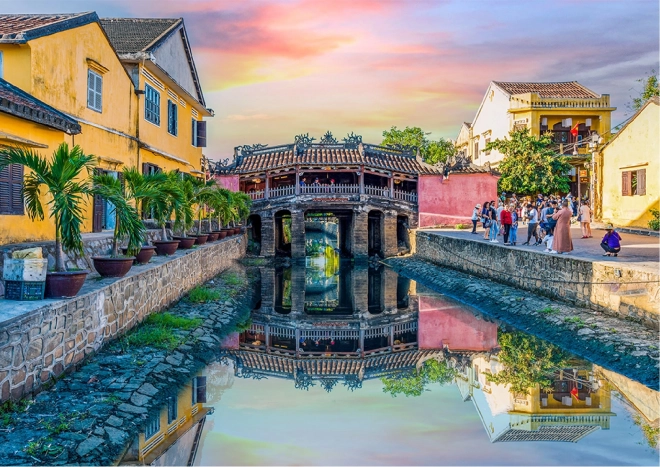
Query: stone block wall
point(612, 288)
point(49, 340)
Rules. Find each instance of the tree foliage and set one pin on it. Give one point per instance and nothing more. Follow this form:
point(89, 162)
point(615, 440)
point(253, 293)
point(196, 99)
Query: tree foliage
point(414, 382)
point(432, 152)
point(530, 164)
point(650, 90)
point(65, 177)
point(527, 361)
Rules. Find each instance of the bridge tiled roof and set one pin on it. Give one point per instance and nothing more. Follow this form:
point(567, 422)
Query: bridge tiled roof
point(377, 157)
point(285, 366)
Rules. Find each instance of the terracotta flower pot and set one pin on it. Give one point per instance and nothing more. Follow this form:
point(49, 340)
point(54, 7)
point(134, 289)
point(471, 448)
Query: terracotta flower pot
point(64, 284)
point(113, 267)
point(236, 230)
point(200, 239)
point(185, 243)
point(228, 231)
point(213, 236)
point(222, 234)
point(166, 247)
point(145, 254)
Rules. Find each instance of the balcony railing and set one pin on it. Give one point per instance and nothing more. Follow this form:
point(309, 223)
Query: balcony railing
point(534, 101)
point(290, 190)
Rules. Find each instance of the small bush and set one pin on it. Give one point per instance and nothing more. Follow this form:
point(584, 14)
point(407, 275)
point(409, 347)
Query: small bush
point(158, 331)
point(654, 224)
point(202, 294)
point(459, 226)
point(548, 310)
point(232, 279)
point(575, 320)
point(170, 321)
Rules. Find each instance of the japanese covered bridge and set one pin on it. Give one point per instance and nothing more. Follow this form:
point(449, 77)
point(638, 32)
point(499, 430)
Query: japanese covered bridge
point(374, 194)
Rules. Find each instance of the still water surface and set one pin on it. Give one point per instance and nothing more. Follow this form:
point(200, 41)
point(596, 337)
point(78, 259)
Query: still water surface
point(305, 385)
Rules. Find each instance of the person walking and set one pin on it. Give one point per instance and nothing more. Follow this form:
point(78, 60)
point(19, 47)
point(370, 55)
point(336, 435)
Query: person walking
point(492, 234)
point(532, 216)
point(513, 238)
point(611, 242)
point(585, 219)
point(485, 218)
point(506, 220)
point(476, 215)
point(562, 242)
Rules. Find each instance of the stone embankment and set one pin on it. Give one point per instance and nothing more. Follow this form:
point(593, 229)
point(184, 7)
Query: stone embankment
point(618, 289)
point(54, 335)
point(624, 346)
point(91, 416)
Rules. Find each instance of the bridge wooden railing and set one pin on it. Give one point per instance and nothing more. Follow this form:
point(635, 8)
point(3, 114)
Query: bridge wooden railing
point(340, 189)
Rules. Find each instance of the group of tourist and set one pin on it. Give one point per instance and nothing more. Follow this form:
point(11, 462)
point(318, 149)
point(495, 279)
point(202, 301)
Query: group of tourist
point(548, 220)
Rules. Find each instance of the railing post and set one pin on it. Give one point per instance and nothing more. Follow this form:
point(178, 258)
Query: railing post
point(267, 334)
point(390, 182)
point(362, 341)
point(297, 342)
point(297, 181)
point(267, 189)
point(361, 180)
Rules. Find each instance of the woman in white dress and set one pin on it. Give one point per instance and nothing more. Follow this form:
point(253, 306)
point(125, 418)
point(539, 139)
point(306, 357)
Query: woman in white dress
point(585, 219)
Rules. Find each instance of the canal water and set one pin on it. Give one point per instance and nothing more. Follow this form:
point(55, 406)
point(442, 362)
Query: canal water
point(346, 365)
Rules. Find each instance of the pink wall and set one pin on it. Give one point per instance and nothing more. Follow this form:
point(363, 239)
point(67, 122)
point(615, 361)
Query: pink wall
point(229, 182)
point(450, 201)
point(445, 322)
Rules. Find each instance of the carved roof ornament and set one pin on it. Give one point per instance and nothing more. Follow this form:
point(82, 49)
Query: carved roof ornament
point(246, 149)
point(221, 166)
point(352, 140)
point(328, 138)
point(304, 139)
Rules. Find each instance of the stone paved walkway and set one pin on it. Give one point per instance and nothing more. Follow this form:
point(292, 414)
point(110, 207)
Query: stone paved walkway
point(638, 251)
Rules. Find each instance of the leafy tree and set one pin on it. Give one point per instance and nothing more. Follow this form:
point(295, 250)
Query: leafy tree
point(527, 361)
point(432, 152)
point(650, 90)
point(413, 383)
point(530, 164)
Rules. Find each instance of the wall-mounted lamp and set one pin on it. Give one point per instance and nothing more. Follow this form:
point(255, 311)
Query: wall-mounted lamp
point(256, 180)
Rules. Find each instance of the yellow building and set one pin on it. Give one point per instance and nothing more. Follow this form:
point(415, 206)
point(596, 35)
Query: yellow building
point(132, 111)
point(29, 122)
point(628, 174)
point(156, 53)
point(553, 106)
point(172, 434)
point(558, 415)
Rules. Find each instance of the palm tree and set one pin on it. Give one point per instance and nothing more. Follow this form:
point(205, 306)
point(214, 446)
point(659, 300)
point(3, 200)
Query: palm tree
point(127, 221)
point(64, 178)
point(241, 205)
point(220, 202)
point(171, 201)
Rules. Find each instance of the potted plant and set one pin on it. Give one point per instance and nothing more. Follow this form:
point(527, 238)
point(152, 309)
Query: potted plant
point(127, 224)
point(162, 208)
point(202, 193)
point(220, 202)
point(184, 215)
point(243, 203)
point(66, 179)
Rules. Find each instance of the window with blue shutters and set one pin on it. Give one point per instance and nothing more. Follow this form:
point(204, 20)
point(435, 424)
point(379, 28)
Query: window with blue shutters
point(172, 124)
point(94, 91)
point(151, 105)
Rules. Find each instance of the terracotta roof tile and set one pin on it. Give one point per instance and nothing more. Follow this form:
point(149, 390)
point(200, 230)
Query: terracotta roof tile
point(570, 89)
point(21, 28)
point(131, 35)
point(374, 157)
point(19, 103)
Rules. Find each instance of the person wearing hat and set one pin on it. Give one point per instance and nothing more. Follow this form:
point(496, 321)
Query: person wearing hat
point(476, 215)
point(611, 242)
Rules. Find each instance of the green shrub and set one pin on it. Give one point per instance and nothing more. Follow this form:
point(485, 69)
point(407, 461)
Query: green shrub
point(158, 331)
point(548, 310)
point(654, 224)
point(231, 279)
point(201, 294)
point(459, 226)
point(170, 321)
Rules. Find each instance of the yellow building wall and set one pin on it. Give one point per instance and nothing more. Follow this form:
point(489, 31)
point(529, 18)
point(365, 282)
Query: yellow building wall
point(19, 228)
point(159, 138)
point(184, 410)
point(636, 147)
point(17, 65)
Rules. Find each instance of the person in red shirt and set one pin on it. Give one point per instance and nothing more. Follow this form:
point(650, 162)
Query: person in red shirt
point(506, 219)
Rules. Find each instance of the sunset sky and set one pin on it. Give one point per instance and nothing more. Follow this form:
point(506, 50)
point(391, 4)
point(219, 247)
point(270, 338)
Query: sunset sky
point(274, 69)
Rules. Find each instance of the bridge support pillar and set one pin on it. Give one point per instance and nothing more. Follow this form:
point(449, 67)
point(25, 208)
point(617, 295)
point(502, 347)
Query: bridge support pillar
point(297, 291)
point(268, 234)
point(360, 241)
point(297, 234)
point(391, 247)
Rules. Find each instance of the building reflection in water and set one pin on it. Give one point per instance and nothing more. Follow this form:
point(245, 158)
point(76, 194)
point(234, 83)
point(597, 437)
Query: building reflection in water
point(172, 434)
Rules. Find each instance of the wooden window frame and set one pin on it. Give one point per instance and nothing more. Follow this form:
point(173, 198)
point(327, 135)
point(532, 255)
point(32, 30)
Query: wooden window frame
point(11, 190)
point(172, 118)
point(172, 410)
point(633, 182)
point(153, 427)
point(151, 104)
point(94, 79)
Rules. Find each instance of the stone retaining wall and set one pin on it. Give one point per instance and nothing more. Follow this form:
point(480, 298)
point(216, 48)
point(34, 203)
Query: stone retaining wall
point(47, 341)
point(623, 290)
